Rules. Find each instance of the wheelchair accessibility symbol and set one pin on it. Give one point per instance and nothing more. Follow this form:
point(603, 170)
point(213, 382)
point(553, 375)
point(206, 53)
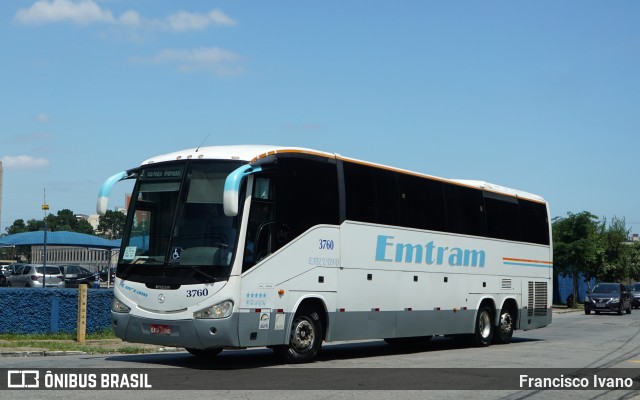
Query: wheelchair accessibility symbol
point(176, 253)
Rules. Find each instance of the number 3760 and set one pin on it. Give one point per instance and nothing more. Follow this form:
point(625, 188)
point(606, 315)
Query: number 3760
point(326, 244)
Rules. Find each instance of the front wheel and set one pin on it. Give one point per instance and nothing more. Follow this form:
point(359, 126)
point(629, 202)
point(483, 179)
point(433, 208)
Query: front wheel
point(305, 339)
point(484, 327)
point(504, 330)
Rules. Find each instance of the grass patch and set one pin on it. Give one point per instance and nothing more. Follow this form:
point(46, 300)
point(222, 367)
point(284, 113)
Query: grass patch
point(105, 334)
point(67, 342)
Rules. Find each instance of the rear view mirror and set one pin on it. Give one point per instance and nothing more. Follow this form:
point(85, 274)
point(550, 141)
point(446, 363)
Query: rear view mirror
point(230, 197)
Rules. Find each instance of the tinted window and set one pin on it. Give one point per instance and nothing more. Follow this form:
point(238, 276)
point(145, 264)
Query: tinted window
point(503, 221)
point(464, 210)
point(306, 193)
point(371, 194)
point(422, 203)
point(534, 222)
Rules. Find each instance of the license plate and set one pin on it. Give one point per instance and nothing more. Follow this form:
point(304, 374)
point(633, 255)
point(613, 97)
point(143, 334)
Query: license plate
point(601, 305)
point(160, 329)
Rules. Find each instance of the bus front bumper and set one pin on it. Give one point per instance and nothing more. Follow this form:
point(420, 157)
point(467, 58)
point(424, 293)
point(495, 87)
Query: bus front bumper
point(193, 333)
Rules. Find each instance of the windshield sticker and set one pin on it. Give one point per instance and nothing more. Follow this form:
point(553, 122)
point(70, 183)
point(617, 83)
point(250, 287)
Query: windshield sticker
point(129, 253)
point(176, 253)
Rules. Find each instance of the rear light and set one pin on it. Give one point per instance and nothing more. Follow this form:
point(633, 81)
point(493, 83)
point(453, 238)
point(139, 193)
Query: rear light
point(34, 277)
point(61, 277)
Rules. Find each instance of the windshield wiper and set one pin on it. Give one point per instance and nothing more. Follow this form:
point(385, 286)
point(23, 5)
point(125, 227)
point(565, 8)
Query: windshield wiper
point(210, 278)
point(127, 269)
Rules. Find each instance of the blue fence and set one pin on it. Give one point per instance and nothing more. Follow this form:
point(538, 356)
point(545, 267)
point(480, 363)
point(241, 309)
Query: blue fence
point(565, 288)
point(27, 310)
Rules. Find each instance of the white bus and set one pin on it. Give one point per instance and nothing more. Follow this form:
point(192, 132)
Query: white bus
point(242, 246)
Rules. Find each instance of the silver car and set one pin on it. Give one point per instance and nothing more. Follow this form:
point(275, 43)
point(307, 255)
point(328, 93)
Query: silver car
point(30, 275)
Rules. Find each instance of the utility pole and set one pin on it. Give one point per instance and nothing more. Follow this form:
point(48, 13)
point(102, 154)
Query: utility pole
point(45, 208)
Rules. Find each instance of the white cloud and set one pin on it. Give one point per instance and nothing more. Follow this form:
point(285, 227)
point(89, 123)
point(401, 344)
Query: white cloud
point(81, 13)
point(85, 12)
point(43, 118)
point(24, 162)
point(185, 21)
point(130, 18)
point(219, 61)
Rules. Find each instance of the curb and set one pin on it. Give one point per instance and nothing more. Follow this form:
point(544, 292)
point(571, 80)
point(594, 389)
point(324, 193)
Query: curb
point(40, 353)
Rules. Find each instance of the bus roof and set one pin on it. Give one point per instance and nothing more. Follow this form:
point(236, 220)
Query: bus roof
point(252, 153)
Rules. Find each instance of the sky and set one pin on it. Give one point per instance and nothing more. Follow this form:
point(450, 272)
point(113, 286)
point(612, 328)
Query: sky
point(538, 96)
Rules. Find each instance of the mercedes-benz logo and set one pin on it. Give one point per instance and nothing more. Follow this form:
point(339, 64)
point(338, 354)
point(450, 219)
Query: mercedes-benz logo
point(160, 298)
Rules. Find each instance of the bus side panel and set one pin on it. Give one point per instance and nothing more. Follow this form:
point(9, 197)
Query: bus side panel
point(433, 282)
point(271, 291)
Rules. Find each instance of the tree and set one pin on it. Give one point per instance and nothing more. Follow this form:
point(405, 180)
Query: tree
point(616, 264)
point(111, 224)
point(18, 226)
point(577, 246)
point(64, 220)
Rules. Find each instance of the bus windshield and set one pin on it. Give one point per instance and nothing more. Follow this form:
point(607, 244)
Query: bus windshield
point(176, 229)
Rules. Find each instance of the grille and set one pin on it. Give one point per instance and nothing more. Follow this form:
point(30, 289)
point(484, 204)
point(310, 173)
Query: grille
point(537, 299)
point(506, 284)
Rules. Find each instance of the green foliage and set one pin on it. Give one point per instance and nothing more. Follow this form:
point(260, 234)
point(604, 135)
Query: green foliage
point(584, 245)
point(111, 224)
point(64, 220)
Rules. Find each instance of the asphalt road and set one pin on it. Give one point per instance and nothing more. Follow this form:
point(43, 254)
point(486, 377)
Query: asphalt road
point(573, 345)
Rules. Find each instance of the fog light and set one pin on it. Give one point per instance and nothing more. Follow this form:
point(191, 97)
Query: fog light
point(118, 306)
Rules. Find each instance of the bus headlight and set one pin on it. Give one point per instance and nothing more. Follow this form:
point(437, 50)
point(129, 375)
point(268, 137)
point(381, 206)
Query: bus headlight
point(118, 306)
point(220, 310)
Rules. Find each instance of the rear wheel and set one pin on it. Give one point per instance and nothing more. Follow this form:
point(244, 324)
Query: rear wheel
point(305, 339)
point(504, 330)
point(484, 327)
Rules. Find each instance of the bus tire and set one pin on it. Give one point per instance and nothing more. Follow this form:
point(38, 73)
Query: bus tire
point(504, 330)
point(305, 339)
point(204, 353)
point(484, 327)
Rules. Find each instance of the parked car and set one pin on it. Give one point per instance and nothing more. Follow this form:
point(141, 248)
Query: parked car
point(3, 278)
point(608, 297)
point(635, 294)
point(75, 274)
point(30, 275)
point(108, 273)
point(12, 268)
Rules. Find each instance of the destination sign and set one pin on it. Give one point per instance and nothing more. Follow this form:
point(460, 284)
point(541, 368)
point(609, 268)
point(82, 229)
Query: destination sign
point(174, 173)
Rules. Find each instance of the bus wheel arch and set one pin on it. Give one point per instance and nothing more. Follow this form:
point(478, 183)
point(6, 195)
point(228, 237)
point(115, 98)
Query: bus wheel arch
point(306, 334)
point(507, 320)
